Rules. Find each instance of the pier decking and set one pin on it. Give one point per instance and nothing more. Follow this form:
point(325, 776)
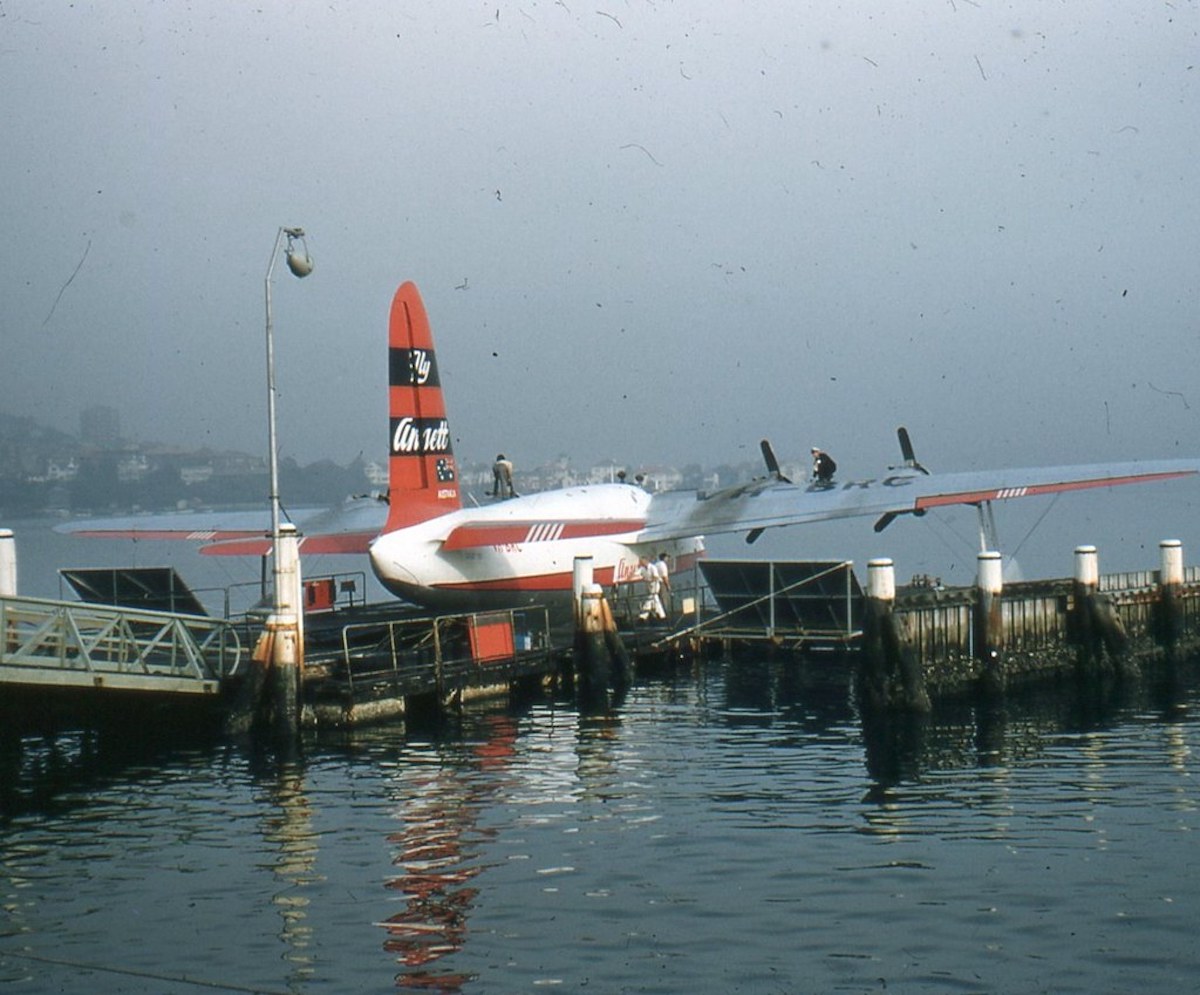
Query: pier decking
point(367, 663)
point(64, 644)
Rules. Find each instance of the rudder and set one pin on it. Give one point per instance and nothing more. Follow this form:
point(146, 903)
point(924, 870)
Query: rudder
point(422, 475)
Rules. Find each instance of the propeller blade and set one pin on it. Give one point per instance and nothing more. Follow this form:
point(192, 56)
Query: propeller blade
point(772, 463)
point(906, 450)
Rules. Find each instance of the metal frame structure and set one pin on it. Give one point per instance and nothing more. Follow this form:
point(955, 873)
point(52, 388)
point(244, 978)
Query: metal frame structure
point(64, 644)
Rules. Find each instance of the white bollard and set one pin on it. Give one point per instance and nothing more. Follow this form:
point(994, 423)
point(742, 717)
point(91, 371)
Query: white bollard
point(287, 626)
point(1171, 551)
point(1087, 566)
point(581, 576)
point(289, 598)
point(990, 575)
point(8, 564)
point(881, 579)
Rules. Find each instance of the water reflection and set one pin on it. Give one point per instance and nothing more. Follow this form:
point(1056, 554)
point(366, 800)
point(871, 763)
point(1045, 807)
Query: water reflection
point(44, 774)
point(288, 830)
point(438, 851)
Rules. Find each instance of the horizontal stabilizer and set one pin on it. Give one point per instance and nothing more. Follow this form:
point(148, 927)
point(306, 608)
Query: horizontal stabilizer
point(347, 543)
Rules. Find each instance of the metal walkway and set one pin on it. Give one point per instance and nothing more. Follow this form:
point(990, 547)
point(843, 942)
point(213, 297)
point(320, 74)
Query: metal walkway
point(67, 644)
point(806, 602)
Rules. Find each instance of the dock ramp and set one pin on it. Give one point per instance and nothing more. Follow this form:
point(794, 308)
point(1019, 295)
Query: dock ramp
point(65, 644)
point(802, 601)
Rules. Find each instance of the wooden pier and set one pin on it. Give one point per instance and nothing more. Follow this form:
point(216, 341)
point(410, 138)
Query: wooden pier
point(361, 663)
point(906, 644)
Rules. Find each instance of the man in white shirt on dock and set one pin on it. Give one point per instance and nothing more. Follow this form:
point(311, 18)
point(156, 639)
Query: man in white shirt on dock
point(652, 605)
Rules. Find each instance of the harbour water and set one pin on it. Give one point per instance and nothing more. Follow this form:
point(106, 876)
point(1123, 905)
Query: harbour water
point(733, 828)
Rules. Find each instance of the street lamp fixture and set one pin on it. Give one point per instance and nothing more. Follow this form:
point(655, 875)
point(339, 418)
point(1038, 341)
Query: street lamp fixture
point(301, 264)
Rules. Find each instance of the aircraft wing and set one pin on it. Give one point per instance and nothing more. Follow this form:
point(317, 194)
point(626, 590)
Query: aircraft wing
point(772, 501)
point(346, 528)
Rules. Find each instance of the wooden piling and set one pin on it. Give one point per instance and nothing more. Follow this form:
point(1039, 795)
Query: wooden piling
point(270, 695)
point(287, 657)
point(890, 675)
point(1100, 637)
point(989, 621)
point(1169, 616)
point(8, 582)
point(8, 564)
point(592, 671)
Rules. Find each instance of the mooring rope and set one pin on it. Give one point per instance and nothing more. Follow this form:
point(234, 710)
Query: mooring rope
point(180, 979)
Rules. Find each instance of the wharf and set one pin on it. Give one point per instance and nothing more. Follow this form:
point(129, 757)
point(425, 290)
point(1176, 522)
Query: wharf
point(905, 644)
point(369, 663)
point(374, 663)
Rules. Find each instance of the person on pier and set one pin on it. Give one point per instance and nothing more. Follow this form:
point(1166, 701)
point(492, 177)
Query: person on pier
point(652, 605)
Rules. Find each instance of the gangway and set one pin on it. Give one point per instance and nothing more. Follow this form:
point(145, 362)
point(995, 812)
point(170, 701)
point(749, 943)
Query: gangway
point(65, 644)
point(804, 602)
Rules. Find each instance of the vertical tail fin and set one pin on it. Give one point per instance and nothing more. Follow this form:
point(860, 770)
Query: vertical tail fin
point(422, 476)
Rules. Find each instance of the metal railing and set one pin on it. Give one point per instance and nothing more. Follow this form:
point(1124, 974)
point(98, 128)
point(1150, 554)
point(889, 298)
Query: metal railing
point(431, 654)
point(65, 643)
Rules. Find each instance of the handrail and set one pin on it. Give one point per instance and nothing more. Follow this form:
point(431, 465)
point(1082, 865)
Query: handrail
point(70, 636)
point(433, 646)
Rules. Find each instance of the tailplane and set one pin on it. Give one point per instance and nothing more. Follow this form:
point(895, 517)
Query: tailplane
point(422, 475)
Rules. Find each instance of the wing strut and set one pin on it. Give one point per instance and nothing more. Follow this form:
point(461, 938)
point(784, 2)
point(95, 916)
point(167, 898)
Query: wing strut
point(989, 537)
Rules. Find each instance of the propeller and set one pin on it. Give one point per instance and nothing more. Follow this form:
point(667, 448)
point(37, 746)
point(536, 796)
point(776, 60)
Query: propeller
point(910, 463)
point(771, 461)
point(774, 471)
point(906, 450)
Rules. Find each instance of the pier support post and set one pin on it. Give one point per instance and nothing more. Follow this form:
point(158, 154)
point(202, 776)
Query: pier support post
point(591, 654)
point(989, 621)
point(602, 663)
point(582, 573)
point(1169, 620)
point(287, 657)
point(1099, 632)
point(890, 676)
point(8, 583)
point(270, 693)
point(8, 564)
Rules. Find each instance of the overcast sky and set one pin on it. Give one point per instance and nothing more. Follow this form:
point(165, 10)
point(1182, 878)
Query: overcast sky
point(654, 231)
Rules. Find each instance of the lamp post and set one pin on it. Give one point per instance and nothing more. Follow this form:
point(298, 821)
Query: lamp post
point(301, 266)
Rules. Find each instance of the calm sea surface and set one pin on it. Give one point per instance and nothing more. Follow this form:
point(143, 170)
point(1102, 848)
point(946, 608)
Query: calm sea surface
point(731, 829)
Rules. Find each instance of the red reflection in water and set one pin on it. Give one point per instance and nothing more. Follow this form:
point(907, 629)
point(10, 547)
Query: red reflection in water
point(436, 857)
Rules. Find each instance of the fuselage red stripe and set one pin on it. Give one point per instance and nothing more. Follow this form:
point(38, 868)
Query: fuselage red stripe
point(513, 533)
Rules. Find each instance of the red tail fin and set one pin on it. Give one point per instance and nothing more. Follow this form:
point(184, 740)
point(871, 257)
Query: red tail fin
point(422, 476)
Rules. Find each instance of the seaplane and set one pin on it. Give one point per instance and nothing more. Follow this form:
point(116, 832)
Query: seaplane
point(429, 547)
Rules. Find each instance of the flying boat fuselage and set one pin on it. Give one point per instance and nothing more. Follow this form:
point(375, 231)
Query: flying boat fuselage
point(522, 550)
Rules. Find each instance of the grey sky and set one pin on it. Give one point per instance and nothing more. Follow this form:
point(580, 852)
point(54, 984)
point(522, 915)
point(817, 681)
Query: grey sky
point(681, 226)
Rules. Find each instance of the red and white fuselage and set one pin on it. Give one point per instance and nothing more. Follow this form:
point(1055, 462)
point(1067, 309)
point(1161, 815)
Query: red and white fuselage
point(523, 550)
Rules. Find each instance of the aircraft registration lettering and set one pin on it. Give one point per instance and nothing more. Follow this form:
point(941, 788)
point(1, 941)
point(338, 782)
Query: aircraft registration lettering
point(867, 484)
